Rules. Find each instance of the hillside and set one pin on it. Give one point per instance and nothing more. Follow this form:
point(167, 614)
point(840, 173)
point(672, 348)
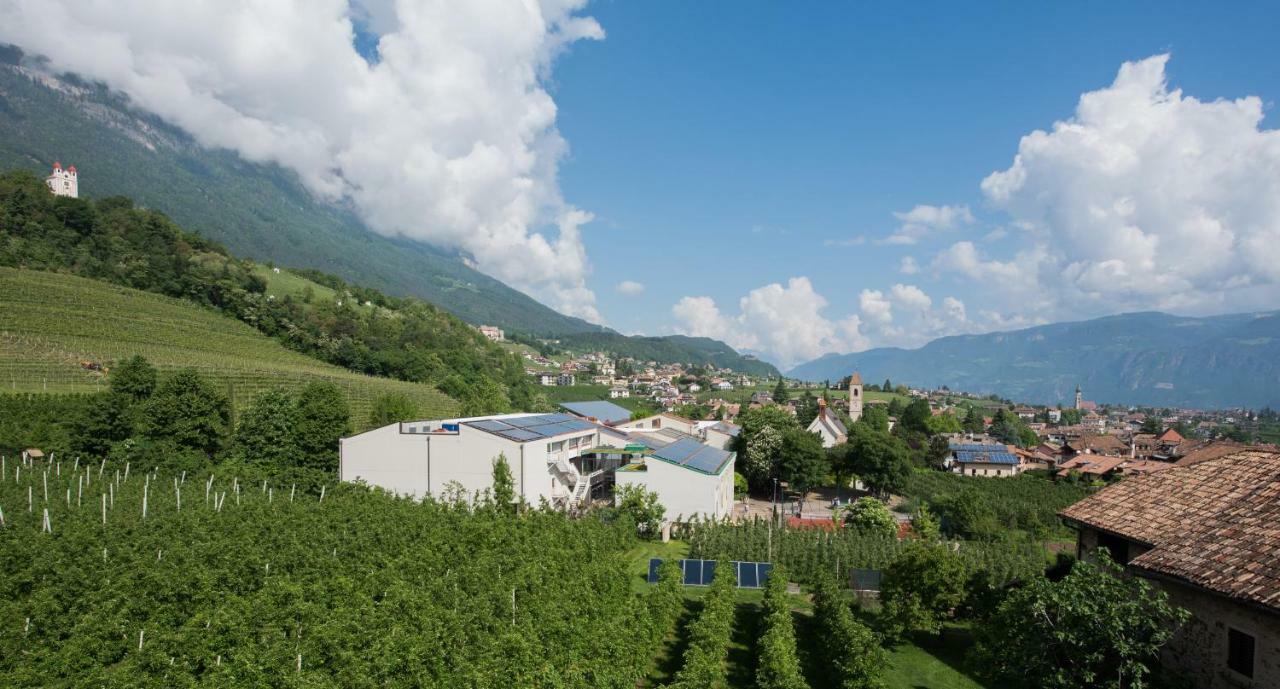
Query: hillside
point(257, 211)
point(1136, 358)
point(671, 349)
point(51, 323)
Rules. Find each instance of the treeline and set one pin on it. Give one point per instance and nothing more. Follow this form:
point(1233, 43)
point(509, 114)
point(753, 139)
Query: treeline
point(404, 338)
point(183, 422)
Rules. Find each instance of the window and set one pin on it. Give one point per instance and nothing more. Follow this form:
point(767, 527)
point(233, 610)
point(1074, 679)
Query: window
point(1240, 648)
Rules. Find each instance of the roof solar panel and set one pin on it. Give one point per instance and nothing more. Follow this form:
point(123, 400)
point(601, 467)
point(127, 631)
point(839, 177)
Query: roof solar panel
point(520, 435)
point(708, 460)
point(490, 425)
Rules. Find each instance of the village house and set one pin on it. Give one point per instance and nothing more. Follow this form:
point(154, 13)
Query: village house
point(618, 391)
point(828, 426)
point(982, 459)
point(494, 333)
point(1207, 534)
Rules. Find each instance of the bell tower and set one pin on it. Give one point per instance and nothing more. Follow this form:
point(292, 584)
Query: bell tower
point(855, 396)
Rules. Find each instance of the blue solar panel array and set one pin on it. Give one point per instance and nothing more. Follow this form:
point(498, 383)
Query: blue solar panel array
point(978, 447)
point(534, 427)
point(1001, 457)
point(605, 412)
point(690, 453)
point(749, 575)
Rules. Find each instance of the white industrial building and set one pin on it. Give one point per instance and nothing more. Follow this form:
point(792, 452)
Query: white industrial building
point(562, 459)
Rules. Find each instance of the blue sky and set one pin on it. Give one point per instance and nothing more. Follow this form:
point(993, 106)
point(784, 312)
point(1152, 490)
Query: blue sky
point(792, 178)
point(723, 151)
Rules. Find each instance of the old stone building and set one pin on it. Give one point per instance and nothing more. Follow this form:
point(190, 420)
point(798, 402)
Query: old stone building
point(1209, 535)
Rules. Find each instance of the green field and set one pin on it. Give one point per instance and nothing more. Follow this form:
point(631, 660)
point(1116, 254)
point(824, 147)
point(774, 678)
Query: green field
point(51, 323)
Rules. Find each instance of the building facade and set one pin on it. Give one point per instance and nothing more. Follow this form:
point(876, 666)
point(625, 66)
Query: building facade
point(63, 182)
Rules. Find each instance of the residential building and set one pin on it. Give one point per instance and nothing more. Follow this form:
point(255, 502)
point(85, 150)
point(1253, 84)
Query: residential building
point(1207, 534)
point(981, 459)
point(618, 391)
point(828, 427)
point(566, 379)
point(659, 421)
point(547, 379)
point(722, 434)
point(492, 332)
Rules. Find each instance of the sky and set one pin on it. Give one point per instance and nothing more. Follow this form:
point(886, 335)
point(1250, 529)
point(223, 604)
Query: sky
point(792, 179)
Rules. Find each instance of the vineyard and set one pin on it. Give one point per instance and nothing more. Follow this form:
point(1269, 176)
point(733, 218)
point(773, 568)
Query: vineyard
point(118, 577)
point(55, 328)
point(1025, 502)
point(809, 554)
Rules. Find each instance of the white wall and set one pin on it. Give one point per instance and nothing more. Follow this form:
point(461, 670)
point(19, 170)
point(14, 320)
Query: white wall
point(419, 464)
point(684, 492)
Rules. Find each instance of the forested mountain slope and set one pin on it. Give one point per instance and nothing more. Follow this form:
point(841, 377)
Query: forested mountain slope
point(1135, 358)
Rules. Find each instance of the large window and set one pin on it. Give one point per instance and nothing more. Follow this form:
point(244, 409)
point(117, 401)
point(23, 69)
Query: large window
point(1240, 647)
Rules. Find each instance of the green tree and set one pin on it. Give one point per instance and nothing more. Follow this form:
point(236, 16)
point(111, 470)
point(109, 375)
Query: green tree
point(967, 513)
point(134, 377)
point(1071, 417)
point(943, 423)
point(875, 416)
point(887, 387)
point(1152, 425)
point(187, 412)
point(392, 407)
point(871, 516)
point(853, 656)
point(643, 508)
point(802, 461)
point(760, 447)
point(974, 421)
point(778, 665)
point(806, 409)
point(102, 421)
point(780, 394)
point(323, 418)
point(915, 417)
point(921, 589)
point(925, 523)
point(267, 432)
point(504, 492)
point(1094, 628)
point(879, 459)
point(937, 452)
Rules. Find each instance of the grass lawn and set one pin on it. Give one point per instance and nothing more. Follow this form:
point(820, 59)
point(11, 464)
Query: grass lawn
point(926, 667)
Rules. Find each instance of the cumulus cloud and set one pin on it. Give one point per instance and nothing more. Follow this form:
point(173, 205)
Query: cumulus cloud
point(875, 306)
point(785, 322)
point(447, 137)
point(1149, 198)
point(924, 220)
point(630, 288)
point(908, 266)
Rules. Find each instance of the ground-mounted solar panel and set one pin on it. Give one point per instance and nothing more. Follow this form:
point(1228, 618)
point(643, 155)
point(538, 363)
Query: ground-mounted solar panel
point(708, 572)
point(765, 570)
point(654, 564)
point(865, 579)
point(692, 572)
point(748, 575)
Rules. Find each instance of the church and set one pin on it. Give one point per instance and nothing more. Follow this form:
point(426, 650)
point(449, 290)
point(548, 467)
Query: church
point(63, 182)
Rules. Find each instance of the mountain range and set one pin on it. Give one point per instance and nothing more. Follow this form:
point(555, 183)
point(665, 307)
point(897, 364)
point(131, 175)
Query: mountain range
point(1144, 358)
point(262, 211)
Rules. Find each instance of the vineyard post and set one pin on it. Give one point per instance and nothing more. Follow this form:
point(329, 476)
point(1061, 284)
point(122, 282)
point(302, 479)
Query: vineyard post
point(102, 467)
point(1, 516)
point(68, 496)
point(79, 489)
point(111, 490)
point(104, 509)
point(322, 488)
point(270, 494)
point(28, 499)
point(47, 526)
point(145, 486)
point(126, 471)
point(292, 489)
point(57, 467)
point(264, 485)
point(4, 467)
point(299, 662)
point(76, 467)
point(178, 494)
point(44, 476)
point(140, 633)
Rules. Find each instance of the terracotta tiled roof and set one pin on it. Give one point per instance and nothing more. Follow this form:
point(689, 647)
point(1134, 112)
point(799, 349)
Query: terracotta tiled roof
point(1171, 436)
point(1211, 450)
point(1095, 465)
point(1215, 524)
point(1099, 444)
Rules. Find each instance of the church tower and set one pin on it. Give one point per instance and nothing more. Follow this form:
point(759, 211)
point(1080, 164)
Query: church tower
point(855, 396)
point(1079, 398)
point(63, 182)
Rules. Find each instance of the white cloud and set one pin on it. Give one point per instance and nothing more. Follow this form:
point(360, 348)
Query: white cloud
point(449, 137)
point(924, 220)
point(630, 288)
point(1149, 199)
point(910, 297)
point(875, 306)
point(908, 266)
point(784, 322)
